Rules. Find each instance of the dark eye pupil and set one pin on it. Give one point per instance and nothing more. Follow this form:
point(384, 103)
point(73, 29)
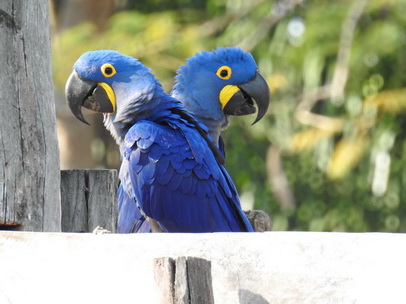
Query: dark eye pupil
point(223, 73)
point(108, 71)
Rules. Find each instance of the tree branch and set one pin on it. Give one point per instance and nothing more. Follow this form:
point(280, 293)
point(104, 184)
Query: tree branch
point(304, 115)
point(335, 91)
point(344, 50)
point(218, 24)
point(279, 11)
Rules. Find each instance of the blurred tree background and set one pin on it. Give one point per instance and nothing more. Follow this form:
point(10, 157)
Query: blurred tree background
point(329, 155)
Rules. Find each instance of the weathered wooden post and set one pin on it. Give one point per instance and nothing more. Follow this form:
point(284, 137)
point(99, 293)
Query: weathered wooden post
point(89, 199)
point(29, 157)
point(184, 280)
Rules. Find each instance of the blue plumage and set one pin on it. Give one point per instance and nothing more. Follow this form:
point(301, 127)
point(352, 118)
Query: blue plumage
point(194, 206)
point(170, 166)
point(199, 86)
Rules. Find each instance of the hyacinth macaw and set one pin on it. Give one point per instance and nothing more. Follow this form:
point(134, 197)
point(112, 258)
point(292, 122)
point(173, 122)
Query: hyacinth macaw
point(170, 165)
point(212, 85)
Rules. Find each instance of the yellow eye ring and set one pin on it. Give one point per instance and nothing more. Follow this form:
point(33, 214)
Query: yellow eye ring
point(224, 72)
point(108, 70)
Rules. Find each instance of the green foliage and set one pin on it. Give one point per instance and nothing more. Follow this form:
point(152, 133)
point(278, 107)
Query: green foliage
point(160, 40)
point(343, 152)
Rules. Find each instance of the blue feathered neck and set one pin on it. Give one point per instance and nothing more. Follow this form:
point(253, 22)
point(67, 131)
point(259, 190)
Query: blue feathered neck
point(198, 87)
point(150, 103)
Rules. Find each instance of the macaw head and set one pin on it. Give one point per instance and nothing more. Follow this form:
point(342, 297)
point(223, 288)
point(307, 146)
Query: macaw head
point(111, 83)
point(226, 81)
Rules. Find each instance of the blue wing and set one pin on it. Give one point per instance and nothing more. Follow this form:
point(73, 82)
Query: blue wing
point(178, 182)
point(130, 219)
point(222, 147)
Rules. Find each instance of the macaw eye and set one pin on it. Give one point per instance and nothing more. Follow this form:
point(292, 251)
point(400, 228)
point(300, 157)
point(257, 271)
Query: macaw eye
point(108, 70)
point(224, 72)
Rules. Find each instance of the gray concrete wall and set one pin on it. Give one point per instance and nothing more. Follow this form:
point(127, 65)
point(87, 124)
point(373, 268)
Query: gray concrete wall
point(272, 267)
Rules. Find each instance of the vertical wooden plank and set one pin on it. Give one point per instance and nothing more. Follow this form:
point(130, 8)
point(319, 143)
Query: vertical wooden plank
point(73, 201)
point(89, 199)
point(164, 273)
point(199, 281)
point(181, 286)
point(186, 280)
point(102, 199)
point(11, 156)
point(29, 158)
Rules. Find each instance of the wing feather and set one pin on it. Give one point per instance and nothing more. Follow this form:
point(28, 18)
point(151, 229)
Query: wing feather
point(184, 193)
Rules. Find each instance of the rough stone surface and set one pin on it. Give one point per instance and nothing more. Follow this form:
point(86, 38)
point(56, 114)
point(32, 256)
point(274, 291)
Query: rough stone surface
point(270, 267)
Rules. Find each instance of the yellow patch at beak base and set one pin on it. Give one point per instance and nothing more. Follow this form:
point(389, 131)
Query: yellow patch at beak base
point(110, 94)
point(226, 93)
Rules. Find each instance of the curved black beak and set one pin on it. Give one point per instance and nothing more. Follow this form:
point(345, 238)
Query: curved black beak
point(241, 103)
point(86, 93)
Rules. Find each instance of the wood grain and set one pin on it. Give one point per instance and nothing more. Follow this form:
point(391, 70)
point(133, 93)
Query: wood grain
point(89, 199)
point(29, 156)
point(184, 280)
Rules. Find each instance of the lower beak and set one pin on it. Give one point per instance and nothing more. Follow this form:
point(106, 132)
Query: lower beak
point(241, 101)
point(98, 97)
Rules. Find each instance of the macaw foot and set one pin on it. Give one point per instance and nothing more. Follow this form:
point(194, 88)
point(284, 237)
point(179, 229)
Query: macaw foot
point(100, 230)
point(259, 220)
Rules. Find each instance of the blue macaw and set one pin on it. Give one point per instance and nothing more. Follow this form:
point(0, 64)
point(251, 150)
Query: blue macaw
point(170, 165)
point(213, 86)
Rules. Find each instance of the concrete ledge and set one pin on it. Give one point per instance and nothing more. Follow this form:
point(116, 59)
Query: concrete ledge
point(272, 267)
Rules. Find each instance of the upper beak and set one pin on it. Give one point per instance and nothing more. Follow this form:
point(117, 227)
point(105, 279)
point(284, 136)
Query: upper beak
point(90, 94)
point(241, 102)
